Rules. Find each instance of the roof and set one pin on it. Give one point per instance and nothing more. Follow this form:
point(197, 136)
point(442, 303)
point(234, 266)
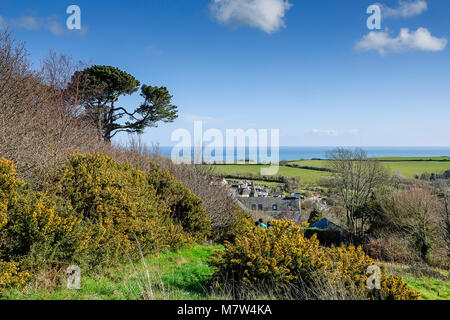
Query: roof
point(324, 224)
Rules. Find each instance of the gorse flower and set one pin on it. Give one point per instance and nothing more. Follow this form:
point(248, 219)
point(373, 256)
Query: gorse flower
point(282, 259)
point(97, 214)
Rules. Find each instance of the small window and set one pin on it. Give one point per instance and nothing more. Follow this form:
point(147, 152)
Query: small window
point(260, 207)
point(274, 207)
point(253, 206)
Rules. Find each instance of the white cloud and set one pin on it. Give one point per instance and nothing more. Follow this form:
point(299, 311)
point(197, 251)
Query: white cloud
point(421, 40)
point(51, 24)
point(405, 9)
point(329, 132)
point(29, 23)
point(267, 15)
point(335, 132)
point(2, 23)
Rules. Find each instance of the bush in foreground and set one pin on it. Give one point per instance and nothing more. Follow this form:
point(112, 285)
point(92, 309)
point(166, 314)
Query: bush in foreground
point(98, 214)
point(10, 276)
point(122, 206)
point(34, 231)
point(283, 263)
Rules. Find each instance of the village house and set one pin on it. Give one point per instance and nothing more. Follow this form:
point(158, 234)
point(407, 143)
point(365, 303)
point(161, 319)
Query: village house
point(252, 197)
point(276, 207)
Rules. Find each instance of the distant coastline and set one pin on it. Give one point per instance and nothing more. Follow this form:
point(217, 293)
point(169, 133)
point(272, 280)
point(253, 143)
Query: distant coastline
point(308, 153)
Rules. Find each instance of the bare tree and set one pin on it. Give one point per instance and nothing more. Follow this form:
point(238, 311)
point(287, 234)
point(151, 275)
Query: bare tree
point(444, 191)
point(39, 123)
point(446, 224)
point(355, 178)
point(418, 214)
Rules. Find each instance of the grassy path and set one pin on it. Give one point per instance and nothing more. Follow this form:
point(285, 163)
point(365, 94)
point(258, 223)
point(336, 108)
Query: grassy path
point(181, 275)
point(177, 275)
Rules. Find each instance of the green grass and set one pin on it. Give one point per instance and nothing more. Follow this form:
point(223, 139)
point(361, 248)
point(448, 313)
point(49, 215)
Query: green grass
point(181, 275)
point(414, 158)
point(174, 275)
point(252, 171)
point(407, 168)
point(309, 177)
point(429, 288)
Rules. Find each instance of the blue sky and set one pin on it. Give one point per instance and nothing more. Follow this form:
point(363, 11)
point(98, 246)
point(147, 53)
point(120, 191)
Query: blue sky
point(309, 68)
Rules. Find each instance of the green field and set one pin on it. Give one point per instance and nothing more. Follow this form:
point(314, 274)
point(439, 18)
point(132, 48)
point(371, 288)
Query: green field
point(414, 158)
point(407, 167)
point(411, 168)
point(306, 176)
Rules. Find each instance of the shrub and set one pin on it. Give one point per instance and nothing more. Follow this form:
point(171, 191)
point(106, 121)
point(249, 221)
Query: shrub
point(392, 247)
point(269, 258)
point(242, 223)
point(203, 181)
point(38, 233)
point(394, 288)
point(199, 180)
point(314, 216)
point(283, 261)
point(10, 276)
point(98, 213)
point(185, 207)
point(417, 215)
point(30, 221)
point(350, 266)
point(120, 207)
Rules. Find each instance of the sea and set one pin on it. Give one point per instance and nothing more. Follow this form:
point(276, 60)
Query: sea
point(308, 153)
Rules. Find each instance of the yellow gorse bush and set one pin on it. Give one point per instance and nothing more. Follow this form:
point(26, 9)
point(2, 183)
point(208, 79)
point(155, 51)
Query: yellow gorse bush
point(262, 256)
point(10, 276)
point(9, 271)
point(120, 204)
point(8, 188)
point(281, 259)
point(29, 220)
point(98, 213)
point(184, 206)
